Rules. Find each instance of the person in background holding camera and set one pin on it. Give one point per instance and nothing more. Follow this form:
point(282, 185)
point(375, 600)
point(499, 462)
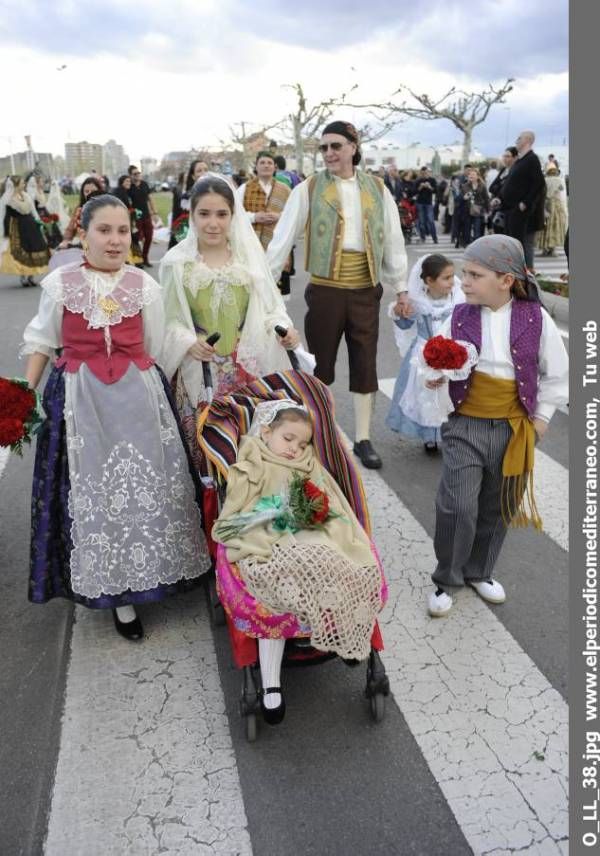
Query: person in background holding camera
point(425, 188)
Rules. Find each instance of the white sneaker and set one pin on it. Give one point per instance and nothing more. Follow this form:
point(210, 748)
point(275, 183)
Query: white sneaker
point(439, 604)
point(489, 590)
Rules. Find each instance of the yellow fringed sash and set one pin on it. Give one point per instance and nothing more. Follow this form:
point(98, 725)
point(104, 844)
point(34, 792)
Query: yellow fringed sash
point(354, 272)
point(496, 398)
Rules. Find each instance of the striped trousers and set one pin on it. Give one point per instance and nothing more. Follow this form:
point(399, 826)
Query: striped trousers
point(469, 530)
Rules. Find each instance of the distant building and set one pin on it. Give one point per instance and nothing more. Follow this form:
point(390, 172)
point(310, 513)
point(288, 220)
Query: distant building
point(22, 163)
point(149, 166)
point(175, 162)
point(83, 157)
point(114, 160)
point(413, 156)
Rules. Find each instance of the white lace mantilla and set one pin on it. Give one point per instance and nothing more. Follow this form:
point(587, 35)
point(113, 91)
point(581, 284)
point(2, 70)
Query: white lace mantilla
point(198, 275)
point(104, 299)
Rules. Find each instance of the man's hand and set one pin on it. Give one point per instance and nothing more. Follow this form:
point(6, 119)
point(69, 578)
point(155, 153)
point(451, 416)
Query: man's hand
point(403, 307)
point(541, 426)
point(201, 351)
point(522, 206)
point(266, 217)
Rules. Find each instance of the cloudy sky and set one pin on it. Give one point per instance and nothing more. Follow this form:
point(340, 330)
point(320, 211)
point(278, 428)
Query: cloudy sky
point(158, 76)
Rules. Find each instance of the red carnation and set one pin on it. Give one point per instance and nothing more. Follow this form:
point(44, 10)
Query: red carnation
point(319, 501)
point(11, 431)
point(441, 353)
point(16, 401)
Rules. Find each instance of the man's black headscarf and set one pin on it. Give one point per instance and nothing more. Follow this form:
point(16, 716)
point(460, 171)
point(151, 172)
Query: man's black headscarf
point(346, 129)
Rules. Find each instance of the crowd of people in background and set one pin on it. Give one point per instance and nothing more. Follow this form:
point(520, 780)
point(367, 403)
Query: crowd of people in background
point(514, 195)
point(481, 199)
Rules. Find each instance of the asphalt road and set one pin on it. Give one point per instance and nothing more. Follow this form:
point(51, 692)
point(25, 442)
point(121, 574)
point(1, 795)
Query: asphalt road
point(342, 784)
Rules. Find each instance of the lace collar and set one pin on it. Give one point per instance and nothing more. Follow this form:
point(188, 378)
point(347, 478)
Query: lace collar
point(104, 299)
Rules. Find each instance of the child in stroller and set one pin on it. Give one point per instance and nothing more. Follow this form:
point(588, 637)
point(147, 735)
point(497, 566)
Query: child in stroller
point(277, 579)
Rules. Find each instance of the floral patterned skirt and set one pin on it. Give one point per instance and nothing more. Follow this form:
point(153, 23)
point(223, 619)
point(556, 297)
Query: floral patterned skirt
point(115, 501)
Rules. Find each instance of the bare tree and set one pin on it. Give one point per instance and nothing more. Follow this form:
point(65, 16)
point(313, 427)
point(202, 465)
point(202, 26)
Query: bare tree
point(240, 135)
point(465, 110)
point(305, 121)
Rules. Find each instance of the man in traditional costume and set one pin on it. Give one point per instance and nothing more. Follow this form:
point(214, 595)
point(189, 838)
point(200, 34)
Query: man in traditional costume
point(353, 247)
point(264, 199)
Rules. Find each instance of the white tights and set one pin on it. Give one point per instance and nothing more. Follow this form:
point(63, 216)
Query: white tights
point(270, 655)
point(363, 407)
point(125, 614)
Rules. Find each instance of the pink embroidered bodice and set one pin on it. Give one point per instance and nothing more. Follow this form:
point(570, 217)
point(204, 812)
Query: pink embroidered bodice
point(105, 333)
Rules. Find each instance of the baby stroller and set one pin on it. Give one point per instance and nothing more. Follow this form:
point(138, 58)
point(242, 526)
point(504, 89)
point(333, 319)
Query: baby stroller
point(408, 219)
point(220, 428)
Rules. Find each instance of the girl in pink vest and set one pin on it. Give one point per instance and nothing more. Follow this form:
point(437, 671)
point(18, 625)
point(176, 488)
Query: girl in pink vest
point(501, 411)
point(115, 520)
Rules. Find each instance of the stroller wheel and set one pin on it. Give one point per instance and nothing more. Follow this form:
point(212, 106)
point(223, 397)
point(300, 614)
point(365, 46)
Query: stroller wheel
point(377, 704)
point(251, 730)
point(215, 607)
point(249, 704)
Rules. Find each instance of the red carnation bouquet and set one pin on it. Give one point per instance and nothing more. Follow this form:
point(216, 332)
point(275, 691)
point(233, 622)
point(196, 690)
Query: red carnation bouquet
point(19, 417)
point(441, 357)
point(304, 506)
point(180, 226)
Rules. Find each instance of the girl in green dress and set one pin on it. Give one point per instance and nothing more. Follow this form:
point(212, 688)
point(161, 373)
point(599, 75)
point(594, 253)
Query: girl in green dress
point(217, 281)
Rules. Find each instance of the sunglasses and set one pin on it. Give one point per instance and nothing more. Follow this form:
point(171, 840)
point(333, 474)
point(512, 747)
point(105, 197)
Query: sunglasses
point(335, 147)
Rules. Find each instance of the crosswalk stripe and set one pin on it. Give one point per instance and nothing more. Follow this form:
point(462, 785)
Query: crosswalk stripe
point(492, 729)
point(4, 456)
point(146, 762)
point(551, 487)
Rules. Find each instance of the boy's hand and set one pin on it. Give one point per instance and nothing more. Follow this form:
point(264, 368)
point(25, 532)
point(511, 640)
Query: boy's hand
point(540, 427)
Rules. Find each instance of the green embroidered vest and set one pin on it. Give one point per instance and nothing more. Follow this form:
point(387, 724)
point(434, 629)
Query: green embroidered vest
point(325, 227)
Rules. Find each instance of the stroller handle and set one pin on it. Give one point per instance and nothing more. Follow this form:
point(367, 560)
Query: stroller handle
point(282, 333)
point(206, 372)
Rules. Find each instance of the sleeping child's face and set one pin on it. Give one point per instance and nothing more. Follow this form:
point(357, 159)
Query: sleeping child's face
point(287, 438)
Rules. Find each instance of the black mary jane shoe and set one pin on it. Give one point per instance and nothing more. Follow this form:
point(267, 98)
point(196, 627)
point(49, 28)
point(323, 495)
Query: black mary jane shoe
point(131, 630)
point(431, 447)
point(272, 715)
point(367, 454)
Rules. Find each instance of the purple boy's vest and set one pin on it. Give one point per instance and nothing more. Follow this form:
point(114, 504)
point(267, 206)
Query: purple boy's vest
point(525, 334)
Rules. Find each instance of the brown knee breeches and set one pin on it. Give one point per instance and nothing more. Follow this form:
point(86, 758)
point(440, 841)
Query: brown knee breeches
point(354, 313)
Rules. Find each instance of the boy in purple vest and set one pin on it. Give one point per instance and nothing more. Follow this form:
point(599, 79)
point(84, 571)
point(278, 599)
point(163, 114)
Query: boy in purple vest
point(501, 411)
